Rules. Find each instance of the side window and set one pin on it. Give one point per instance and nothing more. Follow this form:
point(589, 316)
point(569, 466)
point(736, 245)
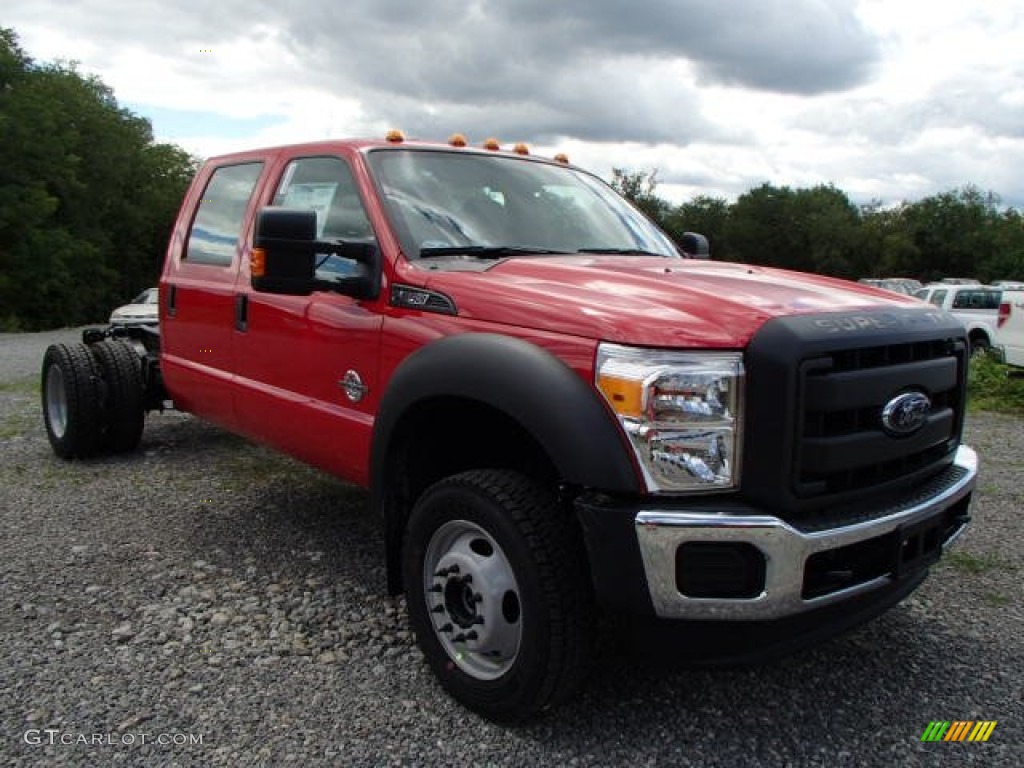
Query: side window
point(938, 298)
point(213, 238)
point(962, 300)
point(992, 299)
point(326, 185)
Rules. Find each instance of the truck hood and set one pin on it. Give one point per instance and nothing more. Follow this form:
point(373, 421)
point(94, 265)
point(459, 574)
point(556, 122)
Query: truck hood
point(648, 301)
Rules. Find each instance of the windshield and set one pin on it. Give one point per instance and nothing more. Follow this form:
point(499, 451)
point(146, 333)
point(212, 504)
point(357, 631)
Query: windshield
point(460, 203)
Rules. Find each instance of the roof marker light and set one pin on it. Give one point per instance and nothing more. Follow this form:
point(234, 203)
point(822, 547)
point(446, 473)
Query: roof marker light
point(521, 149)
point(457, 140)
point(395, 137)
point(562, 158)
point(492, 144)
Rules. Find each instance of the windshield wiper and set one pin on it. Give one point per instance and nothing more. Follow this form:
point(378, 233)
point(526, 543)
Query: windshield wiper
point(622, 252)
point(485, 251)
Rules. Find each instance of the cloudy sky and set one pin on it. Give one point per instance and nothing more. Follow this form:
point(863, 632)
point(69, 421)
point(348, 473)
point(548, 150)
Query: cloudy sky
point(886, 99)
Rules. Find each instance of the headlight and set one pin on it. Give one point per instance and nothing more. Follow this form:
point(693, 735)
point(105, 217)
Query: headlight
point(681, 411)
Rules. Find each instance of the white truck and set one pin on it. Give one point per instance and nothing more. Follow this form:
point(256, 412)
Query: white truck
point(1010, 330)
point(973, 304)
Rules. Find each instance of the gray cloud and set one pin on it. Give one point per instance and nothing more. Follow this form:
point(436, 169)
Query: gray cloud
point(589, 69)
point(978, 104)
point(596, 70)
point(607, 71)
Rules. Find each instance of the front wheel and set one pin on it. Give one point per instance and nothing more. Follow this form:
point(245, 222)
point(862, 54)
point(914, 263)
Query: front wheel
point(498, 593)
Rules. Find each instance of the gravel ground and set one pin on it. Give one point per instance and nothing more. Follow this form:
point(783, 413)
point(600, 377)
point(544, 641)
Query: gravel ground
point(209, 590)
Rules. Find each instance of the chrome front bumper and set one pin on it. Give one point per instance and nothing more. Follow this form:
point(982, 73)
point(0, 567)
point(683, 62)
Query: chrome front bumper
point(785, 549)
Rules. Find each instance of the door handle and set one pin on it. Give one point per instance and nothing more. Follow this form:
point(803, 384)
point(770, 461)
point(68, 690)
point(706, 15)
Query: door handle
point(242, 312)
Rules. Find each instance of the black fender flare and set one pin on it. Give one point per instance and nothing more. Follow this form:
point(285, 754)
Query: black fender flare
point(561, 411)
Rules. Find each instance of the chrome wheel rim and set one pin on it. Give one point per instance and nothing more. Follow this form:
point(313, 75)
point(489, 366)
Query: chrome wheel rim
point(472, 599)
point(56, 402)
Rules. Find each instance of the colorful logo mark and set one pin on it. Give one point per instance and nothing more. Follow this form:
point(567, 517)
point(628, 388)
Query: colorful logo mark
point(958, 730)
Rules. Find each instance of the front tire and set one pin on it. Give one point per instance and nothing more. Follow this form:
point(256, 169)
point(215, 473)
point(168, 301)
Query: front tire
point(498, 593)
point(72, 393)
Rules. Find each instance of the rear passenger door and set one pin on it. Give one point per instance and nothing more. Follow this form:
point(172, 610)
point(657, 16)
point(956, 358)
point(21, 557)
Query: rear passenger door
point(198, 294)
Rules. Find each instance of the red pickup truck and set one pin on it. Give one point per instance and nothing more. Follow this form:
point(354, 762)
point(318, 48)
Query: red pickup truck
point(557, 411)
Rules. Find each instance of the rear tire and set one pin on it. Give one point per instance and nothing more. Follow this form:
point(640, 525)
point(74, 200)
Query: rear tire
point(124, 411)
point(72, 393)
point(508, 632)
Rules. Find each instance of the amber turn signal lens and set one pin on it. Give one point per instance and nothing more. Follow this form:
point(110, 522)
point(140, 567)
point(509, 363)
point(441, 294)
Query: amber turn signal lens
point(625, 395)
point(257, 262)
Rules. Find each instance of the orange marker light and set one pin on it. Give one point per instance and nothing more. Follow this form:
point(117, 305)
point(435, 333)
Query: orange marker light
point(257, 262)
point(521, 149)
point(562, 158)
point(395, 137)
point(625, 395)
point(457, 140)
point(492, 144)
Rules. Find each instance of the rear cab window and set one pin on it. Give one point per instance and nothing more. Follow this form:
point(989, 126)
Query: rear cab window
point(217, 226)
point(977, 299)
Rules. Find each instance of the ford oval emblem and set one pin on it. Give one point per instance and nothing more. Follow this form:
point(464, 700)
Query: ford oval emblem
point(906, 413)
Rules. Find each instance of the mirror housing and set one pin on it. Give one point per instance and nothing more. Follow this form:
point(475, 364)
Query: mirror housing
point(695, 246)
point(282, 260)
point(286, 251)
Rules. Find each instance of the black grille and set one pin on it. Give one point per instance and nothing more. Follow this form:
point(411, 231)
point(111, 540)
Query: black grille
point(841, 445)
point(816, 387)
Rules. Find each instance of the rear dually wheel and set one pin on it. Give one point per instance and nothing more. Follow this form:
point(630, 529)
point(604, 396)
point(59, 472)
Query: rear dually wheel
point(72, 395)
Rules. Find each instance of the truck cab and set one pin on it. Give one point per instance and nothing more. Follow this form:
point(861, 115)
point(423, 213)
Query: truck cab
point(556, 410)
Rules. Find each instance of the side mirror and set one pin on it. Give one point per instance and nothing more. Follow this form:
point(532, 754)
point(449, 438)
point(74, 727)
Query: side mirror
point(285, 255)
point(696, 246)
point(282, 260)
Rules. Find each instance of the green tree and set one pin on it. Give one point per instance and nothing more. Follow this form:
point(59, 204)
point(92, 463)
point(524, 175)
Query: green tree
point(814, 230)
point(639, 188)
point(953, 232)
point(86, 196)
point(1005, 261)
point(761, 229)
point(706, 215)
